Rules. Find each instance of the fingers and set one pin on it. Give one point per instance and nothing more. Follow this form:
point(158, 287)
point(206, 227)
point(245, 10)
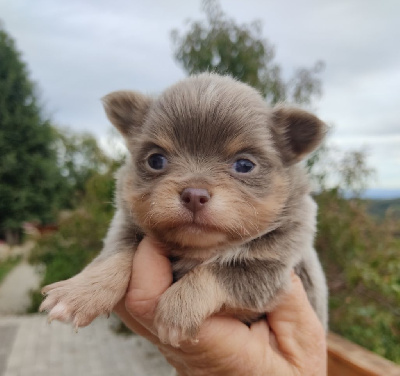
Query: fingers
point(223, 346)
point(151, 276)
point(214, 332)
point(132, 323)
point(228, 346)
point(298, 332)
point(294, 311)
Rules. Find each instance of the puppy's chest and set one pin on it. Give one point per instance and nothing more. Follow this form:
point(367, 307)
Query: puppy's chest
point(183, 263)
point(181, 266)
point(232, 307)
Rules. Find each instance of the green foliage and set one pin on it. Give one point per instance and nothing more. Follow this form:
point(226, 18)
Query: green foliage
point(29, 174)
point(348, 171)
point(360, 258)
point(359, 254)
point(221, 45)
point(7, 265)
point(366, 323)
point(42, 169)
point(80, 234)
point(79, 158)
point(384, 208)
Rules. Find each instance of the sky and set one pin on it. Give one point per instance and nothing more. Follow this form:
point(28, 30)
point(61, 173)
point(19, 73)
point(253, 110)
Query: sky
point(79, 50)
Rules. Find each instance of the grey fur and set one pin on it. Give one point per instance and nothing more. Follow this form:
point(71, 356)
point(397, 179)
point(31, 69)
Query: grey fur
point(257, 226)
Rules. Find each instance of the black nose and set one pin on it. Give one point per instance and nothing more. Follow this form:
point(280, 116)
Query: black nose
point(195, 199)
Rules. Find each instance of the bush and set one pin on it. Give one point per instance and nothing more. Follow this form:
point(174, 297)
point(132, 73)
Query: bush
point(360, 258)
point(80, 235)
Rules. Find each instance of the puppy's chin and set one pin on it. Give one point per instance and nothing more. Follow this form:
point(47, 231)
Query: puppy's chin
point(193, 236)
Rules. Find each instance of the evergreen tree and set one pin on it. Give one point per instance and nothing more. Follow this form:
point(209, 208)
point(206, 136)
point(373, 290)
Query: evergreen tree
point(29, 175)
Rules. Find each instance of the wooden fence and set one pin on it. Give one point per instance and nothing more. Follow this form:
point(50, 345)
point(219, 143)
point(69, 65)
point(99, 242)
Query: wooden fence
point(348, 359)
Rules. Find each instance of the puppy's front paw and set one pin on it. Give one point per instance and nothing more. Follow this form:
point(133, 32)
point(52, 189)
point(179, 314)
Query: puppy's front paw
point(84, 297)
point(177, 321)
point(75, 301)
point(185, 305)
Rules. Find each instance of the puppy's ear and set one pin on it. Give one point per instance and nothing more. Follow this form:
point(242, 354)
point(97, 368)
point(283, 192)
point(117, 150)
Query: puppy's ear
point(297, 133)
point(126, 110)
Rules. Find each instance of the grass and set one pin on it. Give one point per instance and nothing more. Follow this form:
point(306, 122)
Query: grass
point(7, 265)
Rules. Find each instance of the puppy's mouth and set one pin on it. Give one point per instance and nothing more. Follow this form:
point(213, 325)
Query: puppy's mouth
point(197, 228)
point(192, 233)
point(192, 223)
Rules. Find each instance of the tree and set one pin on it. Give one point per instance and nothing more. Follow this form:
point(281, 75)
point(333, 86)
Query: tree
point(345, 171)
point(221, 45)
point(79, 158)
point(29, 175)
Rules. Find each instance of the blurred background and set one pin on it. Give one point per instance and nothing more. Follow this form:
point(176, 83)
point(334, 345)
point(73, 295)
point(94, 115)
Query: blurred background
point(58, 153)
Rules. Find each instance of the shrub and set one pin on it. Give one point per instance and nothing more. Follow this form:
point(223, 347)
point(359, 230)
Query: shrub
point(360, 258)
point(80, 234)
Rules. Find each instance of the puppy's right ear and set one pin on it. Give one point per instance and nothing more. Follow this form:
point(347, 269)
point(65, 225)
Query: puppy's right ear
point(297, 133)
point(126, 110)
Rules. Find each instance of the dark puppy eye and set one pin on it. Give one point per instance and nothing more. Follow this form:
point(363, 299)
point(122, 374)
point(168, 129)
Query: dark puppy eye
point(157, 161)
point(243, 166)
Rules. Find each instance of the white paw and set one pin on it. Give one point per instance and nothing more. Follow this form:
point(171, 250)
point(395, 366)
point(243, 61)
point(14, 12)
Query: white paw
point(176, 323)
point(174, 336)
point(78, 301)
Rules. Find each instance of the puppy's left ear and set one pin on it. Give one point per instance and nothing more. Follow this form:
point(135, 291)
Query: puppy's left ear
point(126, 110)
point(297, 133)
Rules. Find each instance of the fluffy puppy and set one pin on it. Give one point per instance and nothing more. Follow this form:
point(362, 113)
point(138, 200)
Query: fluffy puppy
point(213, 174)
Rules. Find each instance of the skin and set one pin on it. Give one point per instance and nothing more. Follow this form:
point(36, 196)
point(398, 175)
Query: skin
point(291, 342)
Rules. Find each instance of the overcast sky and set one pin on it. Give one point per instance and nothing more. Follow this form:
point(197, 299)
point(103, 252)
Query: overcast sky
point(79, 50)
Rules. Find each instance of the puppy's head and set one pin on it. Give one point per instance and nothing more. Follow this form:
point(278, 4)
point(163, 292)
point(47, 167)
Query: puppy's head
point(209, 159)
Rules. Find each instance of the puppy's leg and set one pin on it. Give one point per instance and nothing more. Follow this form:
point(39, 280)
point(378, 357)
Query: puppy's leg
point(186, 304)
point(99, 287)
point(253, 286)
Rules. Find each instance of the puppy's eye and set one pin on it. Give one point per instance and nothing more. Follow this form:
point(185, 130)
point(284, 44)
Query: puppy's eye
point(243, 166)
point(157, 161)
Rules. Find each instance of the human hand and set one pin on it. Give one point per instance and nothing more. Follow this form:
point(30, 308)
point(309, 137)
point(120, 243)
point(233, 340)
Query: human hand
point(291, 343)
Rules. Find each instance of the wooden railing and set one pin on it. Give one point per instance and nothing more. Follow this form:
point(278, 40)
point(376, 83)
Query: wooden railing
point(348, 359)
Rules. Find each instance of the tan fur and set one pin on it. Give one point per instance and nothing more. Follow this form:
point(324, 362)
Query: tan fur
point(186, 304)
point(234, 253)
point(96, 290)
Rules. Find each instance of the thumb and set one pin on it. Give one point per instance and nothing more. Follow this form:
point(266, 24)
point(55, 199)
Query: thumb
point(151, 276)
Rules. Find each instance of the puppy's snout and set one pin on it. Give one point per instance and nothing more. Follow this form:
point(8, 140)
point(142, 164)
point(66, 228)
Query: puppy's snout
point(194, 198)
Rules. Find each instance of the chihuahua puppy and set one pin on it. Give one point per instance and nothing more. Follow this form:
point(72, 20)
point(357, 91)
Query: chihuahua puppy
point(213, 174)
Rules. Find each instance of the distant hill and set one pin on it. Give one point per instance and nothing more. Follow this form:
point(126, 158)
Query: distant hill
point(378, 208)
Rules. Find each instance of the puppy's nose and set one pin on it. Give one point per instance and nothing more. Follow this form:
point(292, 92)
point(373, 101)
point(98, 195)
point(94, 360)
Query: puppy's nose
point(195, 199)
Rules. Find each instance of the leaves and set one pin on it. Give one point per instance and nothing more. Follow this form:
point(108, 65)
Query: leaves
point(221, 45)
point(29, 174)
point(42, 168)
point(362, 264)
point(79, 158)
point(80, 234)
